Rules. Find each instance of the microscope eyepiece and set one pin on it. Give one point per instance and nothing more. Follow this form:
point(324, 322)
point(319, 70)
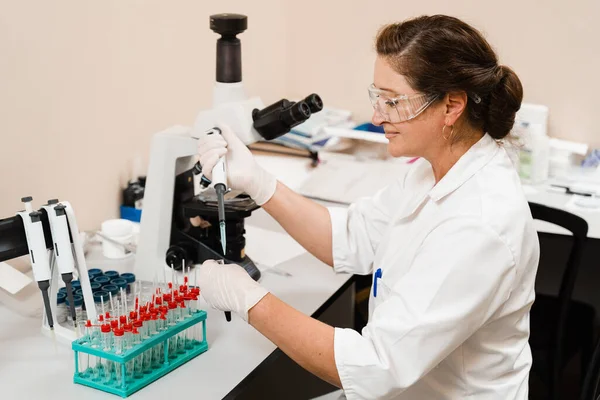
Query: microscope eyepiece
point(314, 102)
point(297, 113)
point(280, 117)
point(228, 24)
point(229, 47)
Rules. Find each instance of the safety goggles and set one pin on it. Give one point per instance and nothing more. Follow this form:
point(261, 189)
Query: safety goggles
point(396, 108)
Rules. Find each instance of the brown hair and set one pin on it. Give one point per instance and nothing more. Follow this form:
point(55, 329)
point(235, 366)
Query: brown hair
point(440, 54)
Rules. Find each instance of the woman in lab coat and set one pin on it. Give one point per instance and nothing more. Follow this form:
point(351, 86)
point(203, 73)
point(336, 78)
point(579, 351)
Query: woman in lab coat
point(451, 245)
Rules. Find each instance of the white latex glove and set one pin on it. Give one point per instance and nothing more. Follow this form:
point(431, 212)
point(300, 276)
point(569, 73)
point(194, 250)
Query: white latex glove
point(228, 287)
point(243, 173)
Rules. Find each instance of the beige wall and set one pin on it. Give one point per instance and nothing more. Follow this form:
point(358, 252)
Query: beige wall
point(554, 46)
point(84, 85)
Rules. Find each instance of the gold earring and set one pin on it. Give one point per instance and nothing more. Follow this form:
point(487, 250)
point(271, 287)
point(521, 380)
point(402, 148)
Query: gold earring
point(451, 131)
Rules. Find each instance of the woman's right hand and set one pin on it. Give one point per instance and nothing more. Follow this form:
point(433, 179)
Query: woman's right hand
point(243, 173)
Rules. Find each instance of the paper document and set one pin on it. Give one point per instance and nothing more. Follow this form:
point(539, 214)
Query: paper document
point(11, 279)
point(356, 134)
point(272, 249)
point(345, 180)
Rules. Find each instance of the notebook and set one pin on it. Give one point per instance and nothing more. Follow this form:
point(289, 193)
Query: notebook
point(343, 180)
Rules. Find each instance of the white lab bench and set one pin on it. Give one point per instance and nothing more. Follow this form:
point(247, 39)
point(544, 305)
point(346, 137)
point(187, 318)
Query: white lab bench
point(295, 171)
point(539, 194)
point(32, 368)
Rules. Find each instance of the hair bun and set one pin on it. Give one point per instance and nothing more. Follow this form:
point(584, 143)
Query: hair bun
point(504, 102)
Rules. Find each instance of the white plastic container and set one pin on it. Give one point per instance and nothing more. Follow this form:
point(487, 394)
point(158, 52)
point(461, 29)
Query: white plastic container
point(119, 230)
point(534, 157)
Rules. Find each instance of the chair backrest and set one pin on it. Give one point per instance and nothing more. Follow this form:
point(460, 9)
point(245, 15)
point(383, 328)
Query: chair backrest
point(579, 228)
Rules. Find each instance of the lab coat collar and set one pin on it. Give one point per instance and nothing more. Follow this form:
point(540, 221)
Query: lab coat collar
point(472, 161)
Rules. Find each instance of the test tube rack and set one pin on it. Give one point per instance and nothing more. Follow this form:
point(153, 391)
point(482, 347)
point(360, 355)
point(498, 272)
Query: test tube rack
point(173, 353)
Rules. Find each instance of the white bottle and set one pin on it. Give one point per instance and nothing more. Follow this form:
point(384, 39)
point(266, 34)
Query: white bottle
point(534, 156)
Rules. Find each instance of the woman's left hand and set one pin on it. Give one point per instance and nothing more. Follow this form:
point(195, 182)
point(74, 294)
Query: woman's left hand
point(228, 287)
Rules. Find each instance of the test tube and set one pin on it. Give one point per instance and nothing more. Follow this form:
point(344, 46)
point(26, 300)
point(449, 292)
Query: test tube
point(146, 327)
point(75, 284)
point(118, 349)
point(193, 303)
point(181, 336)
point(188, 298)
point(113, 291)
point(171, 316)
point(121, 284)
point(102, 280)
point(78, 304)
point(104, 371)
point(162, 320)
point(94, 273)
point(130, 365)
point(137, 365)
point(153, 323)
point(99, 297)
point(127, 344)
point(171, 321)
point(95, 366)
point(89, 336)
point(111, 274)
point(130, 278)
point(118, 340)
point(61, 307)
point(148, 358)
point(95, 286)
point(127, 341)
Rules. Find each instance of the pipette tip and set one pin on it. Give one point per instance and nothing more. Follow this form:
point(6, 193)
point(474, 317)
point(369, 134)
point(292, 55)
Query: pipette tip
point(223, 237)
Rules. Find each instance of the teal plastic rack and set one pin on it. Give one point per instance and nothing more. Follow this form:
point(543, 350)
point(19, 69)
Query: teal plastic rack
point(163, 352)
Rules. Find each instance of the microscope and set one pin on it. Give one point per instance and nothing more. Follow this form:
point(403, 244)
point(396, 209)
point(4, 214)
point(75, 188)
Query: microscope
point(168, 239)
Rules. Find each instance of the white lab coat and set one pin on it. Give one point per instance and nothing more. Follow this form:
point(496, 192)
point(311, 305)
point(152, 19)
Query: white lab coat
point(458, 262)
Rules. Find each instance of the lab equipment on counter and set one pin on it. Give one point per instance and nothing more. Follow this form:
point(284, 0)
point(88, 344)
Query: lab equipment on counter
point(59, 228)
point(38, 254)
point(50, 236)
point(531, 124)
point(167, 236)
point(563, 157)
point(133, 193)
point(117, 238)
point(311, 132)
point(132, 344)
point(592, 160)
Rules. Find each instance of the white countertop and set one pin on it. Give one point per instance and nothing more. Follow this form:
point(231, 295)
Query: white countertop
point(295, 171)
point(31, 367)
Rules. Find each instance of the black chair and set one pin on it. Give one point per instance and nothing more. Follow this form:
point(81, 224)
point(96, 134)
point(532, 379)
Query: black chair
point(590, 389)
point(560, 326)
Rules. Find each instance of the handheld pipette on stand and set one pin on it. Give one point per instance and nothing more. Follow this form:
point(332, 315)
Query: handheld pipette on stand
point(63, 255)
point(38, 253)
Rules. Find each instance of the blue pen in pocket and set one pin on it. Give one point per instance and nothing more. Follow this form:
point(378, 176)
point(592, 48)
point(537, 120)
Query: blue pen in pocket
point(378, 275)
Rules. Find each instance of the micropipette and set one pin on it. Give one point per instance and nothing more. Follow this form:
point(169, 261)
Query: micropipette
point(63, 255)
point(219, 177)
point(38, 253)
